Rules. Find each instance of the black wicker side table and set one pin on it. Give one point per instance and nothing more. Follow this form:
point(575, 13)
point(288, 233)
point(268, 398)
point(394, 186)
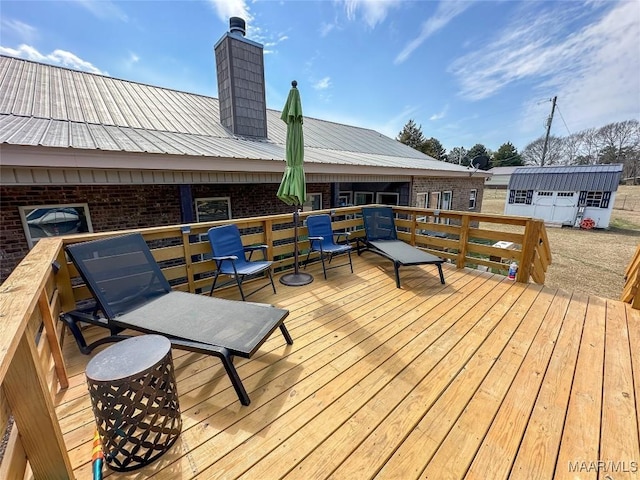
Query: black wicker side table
point(135, 401)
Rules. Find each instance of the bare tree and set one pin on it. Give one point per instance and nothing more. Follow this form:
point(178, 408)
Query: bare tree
point(532, 153)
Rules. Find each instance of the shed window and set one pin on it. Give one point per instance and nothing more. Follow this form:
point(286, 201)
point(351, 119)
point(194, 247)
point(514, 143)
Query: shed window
point(545, 194)
point(595, 199)
point(520, 196)
point(472, 199)
point(565, 194)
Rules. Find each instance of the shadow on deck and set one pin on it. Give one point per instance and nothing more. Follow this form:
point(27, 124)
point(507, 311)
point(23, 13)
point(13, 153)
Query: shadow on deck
point(479, 378)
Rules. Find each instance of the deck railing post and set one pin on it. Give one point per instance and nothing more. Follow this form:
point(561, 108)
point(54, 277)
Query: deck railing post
point(35, 417)
point(186, 245)
point(464, 239)
point(531, 238)
point(267, 227)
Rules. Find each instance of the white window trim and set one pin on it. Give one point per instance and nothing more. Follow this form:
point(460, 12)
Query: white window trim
point(209, 199)
point(25, 225)
point(520, 197)
point(308, 204)
point(348, 195)
point(425, 197)
point(473, 197)
point(355, 195)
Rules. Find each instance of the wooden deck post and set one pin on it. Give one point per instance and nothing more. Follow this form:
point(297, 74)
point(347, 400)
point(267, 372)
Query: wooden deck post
point(464, 238)
point(531, 237)
point(186, 246)
point(35, 417)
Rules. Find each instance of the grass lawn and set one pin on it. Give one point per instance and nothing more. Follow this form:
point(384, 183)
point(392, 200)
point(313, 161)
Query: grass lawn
point(589, 261)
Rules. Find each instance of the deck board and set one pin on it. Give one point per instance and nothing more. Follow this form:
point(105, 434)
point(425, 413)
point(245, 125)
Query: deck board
point(481, 377)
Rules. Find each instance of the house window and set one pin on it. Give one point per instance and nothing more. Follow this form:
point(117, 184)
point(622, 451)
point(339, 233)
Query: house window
point(40, 221)
point(212, 209)
point(386, 198)
point(522, 197)
point(472, 199)
point(314, 202)
point(421, 202)
point(345, 199)
point(565, 194)
point(363, 198)
point(545, 194)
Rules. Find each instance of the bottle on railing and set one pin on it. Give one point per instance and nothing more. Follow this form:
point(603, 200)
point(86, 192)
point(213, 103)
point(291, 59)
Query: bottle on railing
point(513, 269)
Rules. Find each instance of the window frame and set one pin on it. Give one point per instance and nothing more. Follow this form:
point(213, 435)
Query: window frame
point(307, 206)
point(210, 199)
point(473, 197)
point(28, 209)
point(368, 194)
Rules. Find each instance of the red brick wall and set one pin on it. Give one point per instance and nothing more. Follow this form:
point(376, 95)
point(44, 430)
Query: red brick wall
point(110, 208)
point(256, 200)
point(461, 188)
point(119, 207)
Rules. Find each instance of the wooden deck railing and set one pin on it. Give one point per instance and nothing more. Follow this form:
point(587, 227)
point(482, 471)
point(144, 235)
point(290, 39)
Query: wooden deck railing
point(631, 290)
point(32, 369)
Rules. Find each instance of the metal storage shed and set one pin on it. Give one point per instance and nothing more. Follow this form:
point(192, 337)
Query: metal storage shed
point(581, 195)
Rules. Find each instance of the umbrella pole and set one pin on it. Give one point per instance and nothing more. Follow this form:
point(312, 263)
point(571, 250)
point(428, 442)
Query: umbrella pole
point(296, 279)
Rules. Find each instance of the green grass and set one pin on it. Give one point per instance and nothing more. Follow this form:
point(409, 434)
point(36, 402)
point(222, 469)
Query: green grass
point(622, 224)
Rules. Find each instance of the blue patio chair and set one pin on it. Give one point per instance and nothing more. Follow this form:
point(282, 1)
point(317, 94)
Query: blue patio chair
point(323, 240)
point(230, 258)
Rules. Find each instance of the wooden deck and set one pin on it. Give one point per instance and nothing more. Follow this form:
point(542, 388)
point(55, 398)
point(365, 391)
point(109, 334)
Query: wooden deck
point(479, 378)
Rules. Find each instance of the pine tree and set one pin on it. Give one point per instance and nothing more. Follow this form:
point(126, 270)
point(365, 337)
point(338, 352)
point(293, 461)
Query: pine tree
point(411, 135)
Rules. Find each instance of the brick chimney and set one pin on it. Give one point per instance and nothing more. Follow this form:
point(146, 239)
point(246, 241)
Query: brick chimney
point(241, 86)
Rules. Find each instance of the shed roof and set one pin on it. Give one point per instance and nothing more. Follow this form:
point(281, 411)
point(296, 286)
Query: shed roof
point(567, 178)
point(46, 106)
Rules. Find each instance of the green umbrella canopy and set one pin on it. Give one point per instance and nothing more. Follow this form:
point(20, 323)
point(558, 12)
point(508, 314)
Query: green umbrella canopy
point(293, 189)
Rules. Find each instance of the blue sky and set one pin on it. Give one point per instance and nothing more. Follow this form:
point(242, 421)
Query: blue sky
point(468, 72)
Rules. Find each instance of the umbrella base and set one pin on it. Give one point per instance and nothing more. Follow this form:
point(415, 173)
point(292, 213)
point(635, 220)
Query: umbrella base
point(296, 279)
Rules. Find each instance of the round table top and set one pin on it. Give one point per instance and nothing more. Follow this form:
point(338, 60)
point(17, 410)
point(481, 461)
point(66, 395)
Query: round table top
point(128, 358)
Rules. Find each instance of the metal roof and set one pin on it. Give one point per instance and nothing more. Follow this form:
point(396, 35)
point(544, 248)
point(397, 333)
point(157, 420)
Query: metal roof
point(576, 178)
point(43, 105)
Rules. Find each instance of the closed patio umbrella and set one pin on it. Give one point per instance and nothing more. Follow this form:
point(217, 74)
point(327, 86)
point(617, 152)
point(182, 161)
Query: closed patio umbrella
point(293, 188)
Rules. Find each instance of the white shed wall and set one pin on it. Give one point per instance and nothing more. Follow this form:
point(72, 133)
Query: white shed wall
point(560, 210)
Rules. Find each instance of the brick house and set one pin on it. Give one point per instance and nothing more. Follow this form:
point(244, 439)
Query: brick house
point(85, 152)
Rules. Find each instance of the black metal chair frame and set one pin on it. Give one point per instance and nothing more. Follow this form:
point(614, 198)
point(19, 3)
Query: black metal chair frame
point(383, 244)
point(319, 248)
point(239, 277)
point(90, 313)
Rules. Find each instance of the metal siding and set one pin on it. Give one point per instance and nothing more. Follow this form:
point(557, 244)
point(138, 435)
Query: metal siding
point(567, 179)
point(111, 114)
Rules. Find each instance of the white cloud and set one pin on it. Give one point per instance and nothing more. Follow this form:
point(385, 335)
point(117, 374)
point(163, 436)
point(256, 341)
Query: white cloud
point(447, 11)
point(372, 12)
point(594, 71)
point(327, 28)
point(57, 57)
point(225, 9)
point(24, 31)
point(322, 84)
point(104, 9)
point(439, 115)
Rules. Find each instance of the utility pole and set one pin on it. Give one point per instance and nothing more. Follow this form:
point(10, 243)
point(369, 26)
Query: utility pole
point(546, 138)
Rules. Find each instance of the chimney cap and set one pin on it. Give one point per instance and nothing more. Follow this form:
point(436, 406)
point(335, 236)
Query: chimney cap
point(237, 25)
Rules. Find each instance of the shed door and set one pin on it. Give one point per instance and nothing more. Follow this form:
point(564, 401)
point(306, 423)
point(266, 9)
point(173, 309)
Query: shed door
point(565, 207)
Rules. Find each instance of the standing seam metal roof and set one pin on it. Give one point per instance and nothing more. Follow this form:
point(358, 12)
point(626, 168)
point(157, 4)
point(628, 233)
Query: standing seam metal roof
point(605, 178)
point(57, 107)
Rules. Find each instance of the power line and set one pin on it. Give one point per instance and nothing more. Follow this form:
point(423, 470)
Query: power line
point(565, 123)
